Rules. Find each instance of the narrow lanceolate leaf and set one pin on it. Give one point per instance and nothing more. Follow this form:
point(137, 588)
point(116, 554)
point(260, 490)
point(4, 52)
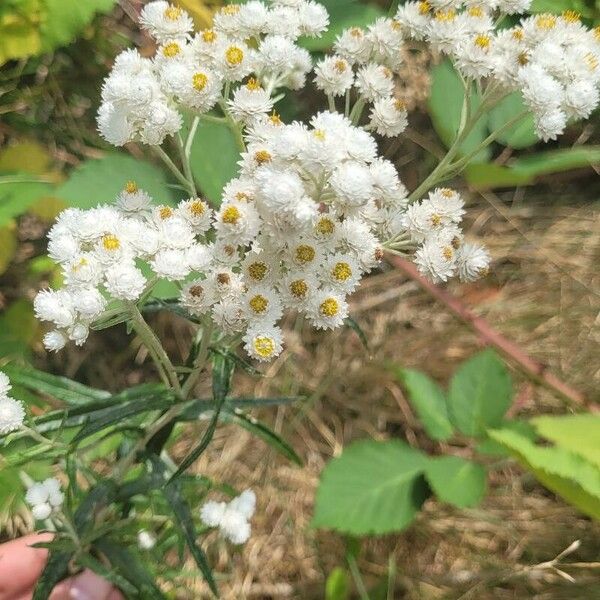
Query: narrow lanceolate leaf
point(429, 402)
point(229, 415)
point(352, 324)
point(455, 480)
point(55, 571)
point(480, 394)
point(184, 518)
point(197, 407)
point(61, 388)
point(223, 368)
point(89, 562)
point(127, 563)
point(372, 488)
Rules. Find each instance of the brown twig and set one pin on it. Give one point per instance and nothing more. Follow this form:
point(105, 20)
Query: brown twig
point(531, 367)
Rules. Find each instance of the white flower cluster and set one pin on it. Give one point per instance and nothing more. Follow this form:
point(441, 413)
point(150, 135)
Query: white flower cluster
point(231, 518)
point(44, 498)
point(433, 224)
point(367, 62)
point(12, 413)
point(144, 98)
point(553, 61)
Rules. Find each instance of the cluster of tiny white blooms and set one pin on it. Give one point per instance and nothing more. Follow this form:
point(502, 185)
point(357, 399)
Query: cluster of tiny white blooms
point(367, 61)
point(552, 60)
point(433, 224)
point(146, 540)
point(144, 98)
point(44, 498)
point(12, 413)
point(232, 518)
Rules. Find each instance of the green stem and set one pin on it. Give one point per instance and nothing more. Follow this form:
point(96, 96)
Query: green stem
point(331, 103)
point(357, 109)
point(347, 103)
point(213, 119)
point(185, 161)
point(200, 361)
point(171, 166)
point(358, 580)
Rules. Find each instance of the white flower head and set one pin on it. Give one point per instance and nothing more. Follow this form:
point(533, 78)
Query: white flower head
point(328, 309)
point(263, 341)
point(5, 385)
point(231, 518)
point(250, 103)
point(12, 414)
point(388, 116)
point(165, 21)
point(334, 75)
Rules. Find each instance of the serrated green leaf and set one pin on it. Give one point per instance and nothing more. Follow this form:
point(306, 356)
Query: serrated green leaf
point(214, 159)
point(428, 400)
point(567, 474)
point(61, 388)
point(480, 394)
point(372, 488)
point(261, 431)
point(579, 434)
point(522, 135)
point(490, 447)
point(100, 180)
point(457, 481)
point(445, 106)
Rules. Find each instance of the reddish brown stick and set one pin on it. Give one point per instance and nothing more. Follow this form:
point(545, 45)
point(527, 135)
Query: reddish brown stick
point(531, 367)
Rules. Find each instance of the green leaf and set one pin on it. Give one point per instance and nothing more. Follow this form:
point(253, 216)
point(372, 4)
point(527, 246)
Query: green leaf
point(559, 6)
point(372, 488)
point(261, 431)
point(18, 329)
point(214, 159)
point(184, 518)
point(54, 572)
point(521, 135)
point(352, 324)
point(579, 434)
point(19, 29)
point(61, 388)
point(18, 192)
point(222, 372)
point(490, 447)
point(457, 481)
point(428, 400)
point(480, 394)
point(129, 565)
point(445, 106)
point(66, 18)
point(487, 176)
point(100, 180)
point(568, 475)
point(337, 586)
point(8, 247)
point(342, 15)
point(556, 161)
point(89, 562)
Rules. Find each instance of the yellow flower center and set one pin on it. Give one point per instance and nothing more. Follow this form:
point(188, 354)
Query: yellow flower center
point(399, 105)
point(264, 346)
point(165, 212)
point(546, 21)
point(445, 16)
point(275, 119)
point(262, 157)
point(234, 55)
point(518, 34)
point(591, 61)
point(341, 271)
point(196, 291)
point(571, 16)
point(111, 242)
point(483, 41)
point(476, 11)
point(523, 59)
point(199, 81)
point(197, 208)
point(356, 32)
point(131, 187)
point(257, 270)
point(82, 263)
point(340, 66)
point(396, 25)
point(243, 197)
point(448, 193)
point(436, 220)
point(299, 288)
point(258, 304)
point(231, 215)
point(305, 253)
point(424, 7)
point(231, 9)
point(171, 50)
point(173, 13)
point(325, 226)
point(319, 134)
point(597, 32)
point(329, 307)
point(448, 253)
point(209, 36)
point(253, 85)
point(223, 279)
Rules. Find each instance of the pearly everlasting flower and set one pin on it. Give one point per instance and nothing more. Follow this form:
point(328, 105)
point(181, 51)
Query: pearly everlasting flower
point(250, 103)
point(328, 309)
point(334, 75)
point(435, 260)
point(472, 261)
point(44, 498)
point(165, 21)
point(12, 413)
point(5, 385)
point(374, 81)
point(146, 540)
point(125, 282)
point(231, 518)
point(263, 342)
point(388, 116)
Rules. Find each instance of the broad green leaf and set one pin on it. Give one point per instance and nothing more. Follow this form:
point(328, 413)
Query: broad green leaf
point(18, 192)
point(480, 394)
point(18, 329)
point(61, 388)
point(372, 488)
point(428, 400)
point(200, 10)
point(489, 176)
point(455, 480)
point(19, 29)
point(100, 180)
point(445, 107)
point(521, 135)
point(567, 474)
point(337, 586)
point(557, 161)
point(491, 447)
point(342, 15)
point(261, 431)
point(25, 155)
point(8, 245)
point(214, 159)
point(579, 434)
point(64, 19)
point(559, 6)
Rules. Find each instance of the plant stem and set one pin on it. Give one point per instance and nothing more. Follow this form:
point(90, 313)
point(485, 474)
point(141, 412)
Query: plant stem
point(331, 103)
point(200, 361)
point(171, 166)
point(185, 161)
point(347, 103)
point(356, 112)
point(358, 580)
